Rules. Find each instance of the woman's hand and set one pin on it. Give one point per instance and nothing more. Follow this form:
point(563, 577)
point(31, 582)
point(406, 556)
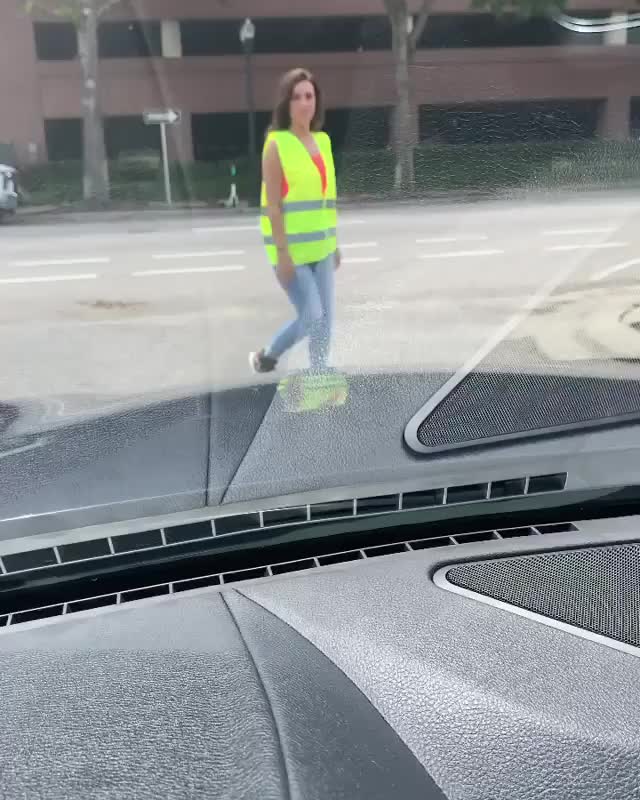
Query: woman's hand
point(338, 258)
point(285, 269)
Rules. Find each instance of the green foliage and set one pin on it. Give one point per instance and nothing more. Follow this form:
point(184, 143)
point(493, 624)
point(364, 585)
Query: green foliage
point(135, 179)
point(486, 168)
point(497, 167)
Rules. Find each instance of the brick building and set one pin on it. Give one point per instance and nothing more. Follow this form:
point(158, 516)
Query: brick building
point(475, 76)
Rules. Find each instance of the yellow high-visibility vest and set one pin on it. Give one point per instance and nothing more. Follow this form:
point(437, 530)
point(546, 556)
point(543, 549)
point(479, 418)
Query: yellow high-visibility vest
point(309, 215)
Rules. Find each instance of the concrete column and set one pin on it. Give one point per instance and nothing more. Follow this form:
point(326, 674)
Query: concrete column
point(617, 37)
point(171, 38)
point(615, 118)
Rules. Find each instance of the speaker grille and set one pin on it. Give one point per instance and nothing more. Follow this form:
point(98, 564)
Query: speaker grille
point(517, 393)
point(596, 589)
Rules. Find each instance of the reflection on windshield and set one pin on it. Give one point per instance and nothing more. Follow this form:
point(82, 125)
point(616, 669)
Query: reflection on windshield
point(302, 393)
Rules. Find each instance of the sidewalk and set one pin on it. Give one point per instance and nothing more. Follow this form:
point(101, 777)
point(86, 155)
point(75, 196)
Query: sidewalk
point(158, 211)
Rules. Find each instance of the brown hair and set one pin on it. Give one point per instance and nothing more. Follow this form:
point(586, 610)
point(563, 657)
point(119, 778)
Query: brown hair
point(281, 119)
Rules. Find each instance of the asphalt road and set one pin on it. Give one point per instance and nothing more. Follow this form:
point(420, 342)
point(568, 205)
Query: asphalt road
point(95, 313)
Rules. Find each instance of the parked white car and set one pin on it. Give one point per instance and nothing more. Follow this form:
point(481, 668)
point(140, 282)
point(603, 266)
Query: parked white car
point(8, 191)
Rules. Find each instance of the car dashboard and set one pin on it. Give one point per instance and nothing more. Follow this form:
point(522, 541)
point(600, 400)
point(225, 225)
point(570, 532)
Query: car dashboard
point(375, 675)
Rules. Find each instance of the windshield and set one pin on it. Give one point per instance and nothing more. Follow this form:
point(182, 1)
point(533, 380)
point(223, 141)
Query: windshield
point(252, 251)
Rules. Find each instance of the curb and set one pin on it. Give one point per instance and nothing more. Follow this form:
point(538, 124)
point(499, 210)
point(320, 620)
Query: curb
point(54, 213)
point(44, 214)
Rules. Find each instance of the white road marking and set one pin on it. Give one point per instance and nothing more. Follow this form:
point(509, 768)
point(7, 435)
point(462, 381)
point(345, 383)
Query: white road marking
point(369, 306)
point(411, 431)
point(198, 254)
point(449, 239)
point(462, 254)
point(598, 276)
point(565, 248)
point(361, 260)
point(226, 228)
point(59, 262)
point(49, 278)
point(357, 245)
point(578, 231)
point(147, 273)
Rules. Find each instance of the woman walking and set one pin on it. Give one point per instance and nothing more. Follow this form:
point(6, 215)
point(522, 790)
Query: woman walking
point(298, 220)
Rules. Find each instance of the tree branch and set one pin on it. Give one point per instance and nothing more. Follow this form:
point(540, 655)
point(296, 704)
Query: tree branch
point(420, 24)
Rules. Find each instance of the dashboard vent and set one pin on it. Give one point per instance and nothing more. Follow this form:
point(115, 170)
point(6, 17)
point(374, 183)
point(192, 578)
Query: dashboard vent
point(171, 536)
point(268, 570)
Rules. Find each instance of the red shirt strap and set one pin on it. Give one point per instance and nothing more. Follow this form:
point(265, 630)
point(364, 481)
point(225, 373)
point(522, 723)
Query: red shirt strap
point(318, 160)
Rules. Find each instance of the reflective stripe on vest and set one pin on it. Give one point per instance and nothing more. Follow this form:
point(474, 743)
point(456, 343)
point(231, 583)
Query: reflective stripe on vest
point(309, 216)
point(304, 205)
point(303, 238)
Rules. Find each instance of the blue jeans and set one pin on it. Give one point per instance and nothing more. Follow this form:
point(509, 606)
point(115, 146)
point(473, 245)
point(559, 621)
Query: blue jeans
point(311, 292)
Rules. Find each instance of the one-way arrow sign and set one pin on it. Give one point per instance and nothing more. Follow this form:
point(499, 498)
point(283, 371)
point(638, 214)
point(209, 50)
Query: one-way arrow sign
point(163, 118)
point(167, 117)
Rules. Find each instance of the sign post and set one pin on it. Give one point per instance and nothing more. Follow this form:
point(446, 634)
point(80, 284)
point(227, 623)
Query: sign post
point(165, 164)
point(163, 118)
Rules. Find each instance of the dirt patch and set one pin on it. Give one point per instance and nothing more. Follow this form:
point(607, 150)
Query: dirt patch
point(112, 305)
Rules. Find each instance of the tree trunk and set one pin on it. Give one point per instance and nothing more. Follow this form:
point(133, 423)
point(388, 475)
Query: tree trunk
point(404, 122)
point(96, 178)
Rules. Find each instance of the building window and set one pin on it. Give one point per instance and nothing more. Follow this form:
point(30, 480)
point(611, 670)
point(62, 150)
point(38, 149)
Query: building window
point(206, 37)
point(289, 35)
point(634, 122)
point(322, 34)
point(358, 128)
point(222, 136)
point(487, 30)
point(129, 40)
point(209, 37)
point(55, 41)
point(510, 122)
point(64, 139)
point(128, 135)
point(226, 135)
point(329, 34)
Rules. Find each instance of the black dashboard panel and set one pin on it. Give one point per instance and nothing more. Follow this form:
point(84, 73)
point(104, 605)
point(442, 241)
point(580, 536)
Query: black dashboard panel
point(211, 697)
point(358, 680)
point(493, 705)
point(150, 458)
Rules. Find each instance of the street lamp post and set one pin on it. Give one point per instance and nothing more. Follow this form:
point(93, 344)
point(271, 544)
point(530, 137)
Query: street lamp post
point(247, 38)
